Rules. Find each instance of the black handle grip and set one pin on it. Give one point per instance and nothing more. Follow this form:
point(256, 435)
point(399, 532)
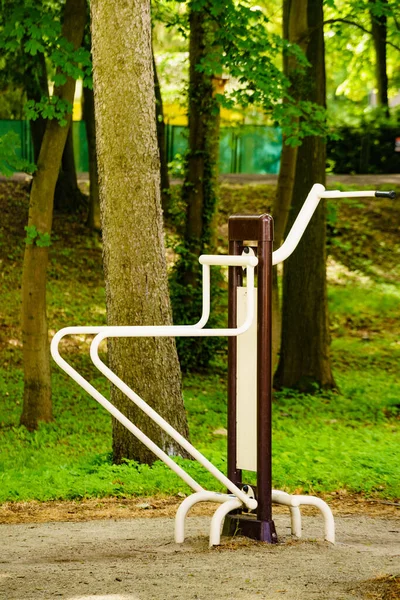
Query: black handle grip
point(391, 194)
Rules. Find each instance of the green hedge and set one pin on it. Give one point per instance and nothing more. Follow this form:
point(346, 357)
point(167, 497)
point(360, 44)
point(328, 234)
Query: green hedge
point(365, 150)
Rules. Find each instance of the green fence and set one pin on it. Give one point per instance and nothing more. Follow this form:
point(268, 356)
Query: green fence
point(26, 147)
point(244, 149)
point(22, 129)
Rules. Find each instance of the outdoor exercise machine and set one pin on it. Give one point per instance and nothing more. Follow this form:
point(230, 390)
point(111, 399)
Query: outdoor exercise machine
point(245, 509)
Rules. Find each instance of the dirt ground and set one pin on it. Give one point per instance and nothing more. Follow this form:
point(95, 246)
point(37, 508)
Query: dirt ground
point(246, 179)
point(126, 551)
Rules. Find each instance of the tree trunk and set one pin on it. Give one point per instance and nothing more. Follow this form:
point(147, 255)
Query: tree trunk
point(379, 33)
point(199, 193)
point(93, 219)
point(68, 197)
point(201, 181)
point(304, 361)
point(36, 86)
point(162, 144)
point(37, 385)
point(294, 28)
point(134, 254)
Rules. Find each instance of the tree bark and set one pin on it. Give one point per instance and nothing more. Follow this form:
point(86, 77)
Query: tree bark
point(162, 143)
point(294, 27)
point(133, 238)
point(199, 194)
point(93, 219)
point(68, 197)
point(36, 86)
point(304, 361)
point(201, 180)
point(37, 385)
point(379, 34)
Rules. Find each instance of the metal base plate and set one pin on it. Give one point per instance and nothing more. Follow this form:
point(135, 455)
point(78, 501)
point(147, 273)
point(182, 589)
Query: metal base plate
point(251, 527)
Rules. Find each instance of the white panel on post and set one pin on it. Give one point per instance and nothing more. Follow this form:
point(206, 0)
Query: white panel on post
point(246, 398)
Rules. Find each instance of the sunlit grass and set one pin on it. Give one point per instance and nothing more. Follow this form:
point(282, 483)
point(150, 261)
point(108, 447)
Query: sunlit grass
point(321, 443)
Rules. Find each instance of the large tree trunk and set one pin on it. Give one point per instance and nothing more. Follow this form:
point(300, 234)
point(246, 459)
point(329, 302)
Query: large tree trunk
point(379, 33)
point(134, 254)
point(93, 219)
point(162, 144)
point(37, 386)
point(304, 361)
point(294, 29)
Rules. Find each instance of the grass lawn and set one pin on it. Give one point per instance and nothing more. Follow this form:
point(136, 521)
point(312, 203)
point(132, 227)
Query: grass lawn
point(325, 443)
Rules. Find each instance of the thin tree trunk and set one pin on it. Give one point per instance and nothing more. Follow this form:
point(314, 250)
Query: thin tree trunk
point(93, 219)
point(379, 34)
point(199, 193)
point(37, 385)
point(294, 28)
point(36, 86)
point(68, 197)
point(133, 238)
point(201, 181)
point(304, 361)
point(162, 144)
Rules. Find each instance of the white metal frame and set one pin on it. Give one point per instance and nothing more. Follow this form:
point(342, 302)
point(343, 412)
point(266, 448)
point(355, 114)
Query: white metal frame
point(237, 498)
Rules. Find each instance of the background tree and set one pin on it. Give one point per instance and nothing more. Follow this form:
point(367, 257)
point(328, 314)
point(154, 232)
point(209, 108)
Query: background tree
point(29, 34)
point(93, 218)
point(134, 254)
point(304, 361)
point(162, 143)
point(37, 385)
point(230, 40)
point(379, 35)
point(363, 42)
point(294, 29)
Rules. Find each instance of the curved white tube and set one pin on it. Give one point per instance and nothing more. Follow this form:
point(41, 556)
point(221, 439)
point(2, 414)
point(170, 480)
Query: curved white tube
point(205, 314)
point(158, 419)
point(339, 194)
point(303, 218)
point(152, 331)
point(187, 504)
point(295, 501)
point(295, 521)
point(185, 330)
point(329, 522)
point(300, 224)
point(218, 517)
point(229, 260)
point(114, 411)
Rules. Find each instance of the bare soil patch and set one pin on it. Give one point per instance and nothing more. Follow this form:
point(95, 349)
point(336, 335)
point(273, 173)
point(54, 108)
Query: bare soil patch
point(155, 507)
point(137, 559)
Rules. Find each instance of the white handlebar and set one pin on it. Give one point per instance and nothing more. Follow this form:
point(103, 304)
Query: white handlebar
point(307, 210)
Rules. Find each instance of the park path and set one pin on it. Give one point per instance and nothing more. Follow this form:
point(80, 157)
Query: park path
point(137, 560)
point(250, 179)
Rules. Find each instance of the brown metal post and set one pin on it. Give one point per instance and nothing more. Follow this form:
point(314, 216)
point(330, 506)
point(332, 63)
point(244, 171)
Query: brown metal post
point(255, 232)
point(234, 473)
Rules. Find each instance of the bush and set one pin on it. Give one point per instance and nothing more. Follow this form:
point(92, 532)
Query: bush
point(369, 148)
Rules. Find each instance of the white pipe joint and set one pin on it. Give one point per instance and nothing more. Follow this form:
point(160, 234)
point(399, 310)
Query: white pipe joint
point(241, 260)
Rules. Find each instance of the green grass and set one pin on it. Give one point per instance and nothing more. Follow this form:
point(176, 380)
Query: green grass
point(321, 443)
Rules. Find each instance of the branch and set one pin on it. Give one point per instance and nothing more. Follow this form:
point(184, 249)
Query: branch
point(364, 29)
point(348, 22)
